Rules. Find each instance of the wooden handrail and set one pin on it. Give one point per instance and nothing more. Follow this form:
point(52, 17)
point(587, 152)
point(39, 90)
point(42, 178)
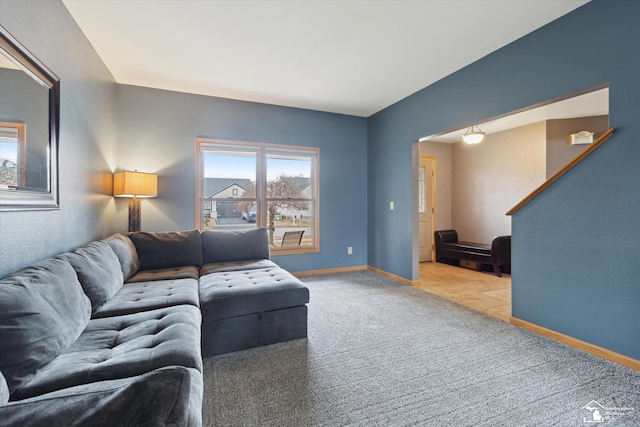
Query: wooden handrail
point(562, 171)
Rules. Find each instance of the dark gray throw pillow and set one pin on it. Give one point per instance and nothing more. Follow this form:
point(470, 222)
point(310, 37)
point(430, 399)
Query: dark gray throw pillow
point(43, 310)
point(239, 245)
point(98, 270)
point(167, 249)
point(126, 253)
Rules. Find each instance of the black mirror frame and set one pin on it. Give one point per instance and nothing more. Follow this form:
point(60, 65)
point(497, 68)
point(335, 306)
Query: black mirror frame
point(19, 200)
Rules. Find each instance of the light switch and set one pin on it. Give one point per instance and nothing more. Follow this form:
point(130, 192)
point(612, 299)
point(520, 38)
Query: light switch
point(390, 205)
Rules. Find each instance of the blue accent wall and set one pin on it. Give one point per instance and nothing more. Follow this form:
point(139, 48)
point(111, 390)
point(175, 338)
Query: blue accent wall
point(157, 131)
point(576, 247)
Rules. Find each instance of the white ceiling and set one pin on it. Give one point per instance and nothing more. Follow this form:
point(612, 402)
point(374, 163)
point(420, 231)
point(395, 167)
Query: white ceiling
point(350, 57)
point(594, 103)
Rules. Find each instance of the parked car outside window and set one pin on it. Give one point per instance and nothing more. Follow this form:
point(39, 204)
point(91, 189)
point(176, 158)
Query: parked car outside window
point(249, 216)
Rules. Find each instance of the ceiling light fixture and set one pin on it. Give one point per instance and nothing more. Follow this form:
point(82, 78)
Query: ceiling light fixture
point(473, 135)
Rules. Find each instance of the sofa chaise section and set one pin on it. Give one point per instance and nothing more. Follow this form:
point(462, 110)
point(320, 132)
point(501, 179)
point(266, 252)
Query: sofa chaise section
point(246, 299)
point(250, 308)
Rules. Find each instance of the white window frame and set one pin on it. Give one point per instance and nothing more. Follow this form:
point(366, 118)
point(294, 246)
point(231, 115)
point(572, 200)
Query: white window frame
point(262, 150)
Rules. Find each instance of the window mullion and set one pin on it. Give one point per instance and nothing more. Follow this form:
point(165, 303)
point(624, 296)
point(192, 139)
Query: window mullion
point(261, 188)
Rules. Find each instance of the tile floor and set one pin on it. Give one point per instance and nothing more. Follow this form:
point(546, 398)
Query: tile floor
point(480, 291)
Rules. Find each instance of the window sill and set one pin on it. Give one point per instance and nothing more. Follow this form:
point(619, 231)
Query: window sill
point(275, 251)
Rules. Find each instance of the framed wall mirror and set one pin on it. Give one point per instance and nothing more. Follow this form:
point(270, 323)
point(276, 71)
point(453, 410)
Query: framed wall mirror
point(29, 123)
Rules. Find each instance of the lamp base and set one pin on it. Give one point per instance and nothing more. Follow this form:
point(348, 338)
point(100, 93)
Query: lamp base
point(134, 214)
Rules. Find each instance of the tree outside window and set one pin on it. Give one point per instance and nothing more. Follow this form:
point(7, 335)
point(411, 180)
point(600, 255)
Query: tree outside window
point(283, 194)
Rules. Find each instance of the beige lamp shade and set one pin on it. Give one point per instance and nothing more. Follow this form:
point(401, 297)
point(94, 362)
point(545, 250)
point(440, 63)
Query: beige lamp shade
point(140, 184)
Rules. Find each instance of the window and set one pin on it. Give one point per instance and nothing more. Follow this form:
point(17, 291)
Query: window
point(12, 154)
point(244, 185)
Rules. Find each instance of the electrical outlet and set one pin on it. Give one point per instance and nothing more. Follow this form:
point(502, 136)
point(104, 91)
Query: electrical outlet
point(349, 250)
point(390, 206)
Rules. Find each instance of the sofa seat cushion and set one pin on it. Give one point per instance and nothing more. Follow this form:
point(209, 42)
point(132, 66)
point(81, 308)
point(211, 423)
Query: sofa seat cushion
point(222, 267)
point(123, 346)
point(167, 249)
point(237, 293)
point(169, 396)
point(43, 310)
point(144, 296)
point(171, 273)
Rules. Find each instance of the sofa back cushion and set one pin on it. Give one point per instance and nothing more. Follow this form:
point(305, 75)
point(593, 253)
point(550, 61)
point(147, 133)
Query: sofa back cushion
point(167, 249)
point(238, 245)
point(98, 270)
point(43, 310)
point(125, 250)
point(4, 390)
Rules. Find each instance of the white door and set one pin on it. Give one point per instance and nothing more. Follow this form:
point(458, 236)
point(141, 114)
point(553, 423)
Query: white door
point(425, 208)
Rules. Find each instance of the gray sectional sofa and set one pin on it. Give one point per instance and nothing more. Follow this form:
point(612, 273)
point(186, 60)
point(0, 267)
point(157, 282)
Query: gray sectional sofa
point(114, 332)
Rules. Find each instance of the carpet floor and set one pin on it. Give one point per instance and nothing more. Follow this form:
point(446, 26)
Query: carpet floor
point(381, 353)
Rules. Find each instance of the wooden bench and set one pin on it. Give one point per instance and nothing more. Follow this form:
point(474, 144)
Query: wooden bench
point(497, 254)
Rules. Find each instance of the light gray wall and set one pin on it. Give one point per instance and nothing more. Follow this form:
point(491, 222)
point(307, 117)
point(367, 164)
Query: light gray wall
point(87, 138)
point(442, 153)
point(491, 177)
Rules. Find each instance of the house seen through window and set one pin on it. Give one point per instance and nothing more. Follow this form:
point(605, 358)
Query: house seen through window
point(247, 185)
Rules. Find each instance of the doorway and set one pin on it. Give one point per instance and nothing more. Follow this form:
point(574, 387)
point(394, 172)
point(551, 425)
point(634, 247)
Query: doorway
point(426, 208)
